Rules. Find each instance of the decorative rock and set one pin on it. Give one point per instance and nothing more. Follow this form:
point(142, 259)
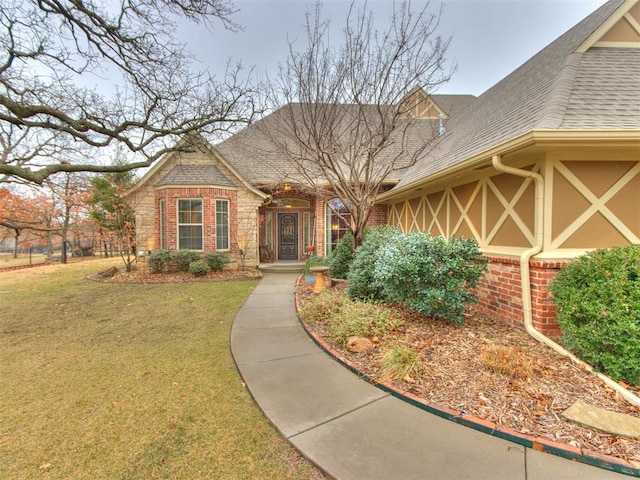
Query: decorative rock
point(109, 272)
point(604, 420)
point(359, 344)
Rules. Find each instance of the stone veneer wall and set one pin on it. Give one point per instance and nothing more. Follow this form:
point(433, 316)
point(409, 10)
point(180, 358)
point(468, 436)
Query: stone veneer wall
point(245, 211)
point(500, 293)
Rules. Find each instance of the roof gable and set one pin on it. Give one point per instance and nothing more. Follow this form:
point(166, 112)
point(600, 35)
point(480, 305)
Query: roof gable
point(183, 175)
point(556, 89)
point(195, 175)
point(419, 104)
point(620, 30)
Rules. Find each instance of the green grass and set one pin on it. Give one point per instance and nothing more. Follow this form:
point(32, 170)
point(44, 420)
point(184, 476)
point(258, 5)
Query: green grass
point(121, 381)
point(7, 260)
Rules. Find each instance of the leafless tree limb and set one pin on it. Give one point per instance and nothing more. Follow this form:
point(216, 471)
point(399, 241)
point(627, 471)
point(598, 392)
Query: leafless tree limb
point(344, 127)
point(56, 54)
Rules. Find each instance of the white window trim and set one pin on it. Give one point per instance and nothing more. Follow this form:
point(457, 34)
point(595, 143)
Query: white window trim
point(162, 212)
point(225, 200)
point(178, 224)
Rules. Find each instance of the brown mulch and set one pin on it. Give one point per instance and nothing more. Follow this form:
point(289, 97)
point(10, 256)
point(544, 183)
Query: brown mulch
point(145, 276)
point(454, 376)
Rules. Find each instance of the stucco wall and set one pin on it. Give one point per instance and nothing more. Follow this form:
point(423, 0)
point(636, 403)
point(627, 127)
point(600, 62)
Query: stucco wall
point(591, 201)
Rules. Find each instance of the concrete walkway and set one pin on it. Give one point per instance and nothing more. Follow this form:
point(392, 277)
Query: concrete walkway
point(353, 430)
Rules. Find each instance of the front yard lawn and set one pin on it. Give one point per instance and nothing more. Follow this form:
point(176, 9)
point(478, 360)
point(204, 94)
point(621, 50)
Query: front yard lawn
point(112, 380)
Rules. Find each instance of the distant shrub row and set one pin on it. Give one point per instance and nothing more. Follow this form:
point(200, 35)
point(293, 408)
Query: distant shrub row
point(186, 261)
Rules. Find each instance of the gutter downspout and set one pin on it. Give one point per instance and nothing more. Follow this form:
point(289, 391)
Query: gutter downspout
point(496, 160)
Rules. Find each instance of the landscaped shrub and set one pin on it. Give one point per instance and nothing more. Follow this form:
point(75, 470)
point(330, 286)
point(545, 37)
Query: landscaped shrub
point(507, 361)
point(183, 259)
point(361, 281)
point(359, 319)
point(432, 275)
point(346, 318)
point(216, 261)
point(321, 307)
point(342, 257)
point(159, 260)
point(199, 268)
point(401, 362)
point(597, 298)
point(315, 261)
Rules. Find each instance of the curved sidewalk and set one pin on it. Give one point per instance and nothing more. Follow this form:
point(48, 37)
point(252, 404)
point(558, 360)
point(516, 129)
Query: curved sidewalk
point(353, 430)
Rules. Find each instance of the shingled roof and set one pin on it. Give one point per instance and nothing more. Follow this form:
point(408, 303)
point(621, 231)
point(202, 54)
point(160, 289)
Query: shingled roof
point(254, 155)
point(195, 175)
point(566, 86)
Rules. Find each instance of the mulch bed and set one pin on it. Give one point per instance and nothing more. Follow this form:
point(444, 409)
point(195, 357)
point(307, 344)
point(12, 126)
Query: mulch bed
point(145, 276)
point(454, 376)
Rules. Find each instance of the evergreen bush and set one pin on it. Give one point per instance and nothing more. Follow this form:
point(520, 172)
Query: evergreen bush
point(159, 260)
point(216, 261)
point(183, 259)
point(432, 275)
point(199, 268)
point(315, 261)
point(342, 257)
point(597, 299)
point(360, 279)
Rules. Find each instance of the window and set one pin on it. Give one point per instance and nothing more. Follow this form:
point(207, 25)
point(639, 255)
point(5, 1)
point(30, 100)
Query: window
point(337, 224)
point(222, 224)
point(268, 229)
point(162, 223)
point(190, 224)
point(306, 229)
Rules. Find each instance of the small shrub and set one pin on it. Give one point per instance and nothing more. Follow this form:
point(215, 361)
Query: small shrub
point(507, 361)
point(159, 260)
point(199, 268)
point(315, 261)
point(342, 257)
point(184, 258)
point(597, 299)
point(358, 319)
point(216, 261)
point(401, 362)
point(321, 307)
point(361, 281)
point(432, 275)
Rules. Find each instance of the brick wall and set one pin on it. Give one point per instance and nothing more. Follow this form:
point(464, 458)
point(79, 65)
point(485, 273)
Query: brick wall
point(209, 197)
point(379, 215)
point(500, 293)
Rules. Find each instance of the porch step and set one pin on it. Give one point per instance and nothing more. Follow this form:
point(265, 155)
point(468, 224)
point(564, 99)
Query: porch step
point(282, 267)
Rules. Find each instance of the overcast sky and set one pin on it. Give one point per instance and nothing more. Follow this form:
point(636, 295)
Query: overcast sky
point(490, 38)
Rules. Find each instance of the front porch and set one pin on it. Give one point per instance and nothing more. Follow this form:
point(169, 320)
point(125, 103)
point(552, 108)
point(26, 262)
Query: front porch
point(282, 266)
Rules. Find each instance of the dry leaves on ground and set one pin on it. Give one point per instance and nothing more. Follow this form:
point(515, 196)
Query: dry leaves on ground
point(453, 375)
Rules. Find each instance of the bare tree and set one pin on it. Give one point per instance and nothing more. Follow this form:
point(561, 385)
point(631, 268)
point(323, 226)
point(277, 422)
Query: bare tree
point(59, 56)
point(345, 128)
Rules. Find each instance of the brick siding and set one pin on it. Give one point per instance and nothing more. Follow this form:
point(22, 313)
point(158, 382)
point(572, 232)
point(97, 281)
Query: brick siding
point(500, 293)
point(209, 197)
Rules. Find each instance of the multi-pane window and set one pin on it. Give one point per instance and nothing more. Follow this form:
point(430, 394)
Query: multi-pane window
point(190, 224)
point(222, 224)
point(338, 220)
point(163, 233)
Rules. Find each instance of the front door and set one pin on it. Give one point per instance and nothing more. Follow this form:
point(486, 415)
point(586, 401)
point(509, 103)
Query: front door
point(287, 236)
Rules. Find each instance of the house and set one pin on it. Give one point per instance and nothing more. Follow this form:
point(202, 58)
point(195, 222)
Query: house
point(242, 198)
point(542, 167)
